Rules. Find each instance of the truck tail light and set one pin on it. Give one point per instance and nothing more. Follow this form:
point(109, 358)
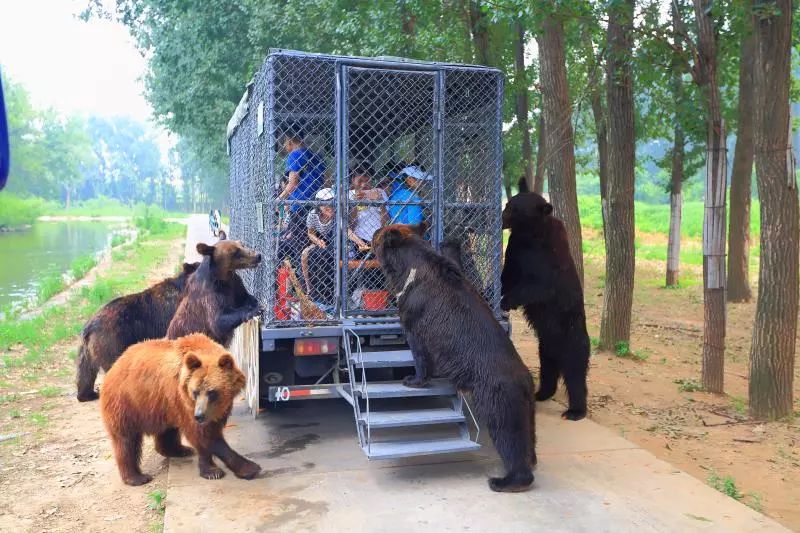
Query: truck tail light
point(316, 346)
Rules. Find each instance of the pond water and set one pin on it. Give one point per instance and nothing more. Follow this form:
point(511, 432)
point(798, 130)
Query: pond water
point(48, 248)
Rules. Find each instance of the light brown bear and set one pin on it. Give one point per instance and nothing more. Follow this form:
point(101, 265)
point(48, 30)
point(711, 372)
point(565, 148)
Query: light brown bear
point(169, 388)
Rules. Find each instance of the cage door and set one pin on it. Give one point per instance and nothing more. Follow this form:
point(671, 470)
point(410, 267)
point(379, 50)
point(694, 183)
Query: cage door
point(389, 155)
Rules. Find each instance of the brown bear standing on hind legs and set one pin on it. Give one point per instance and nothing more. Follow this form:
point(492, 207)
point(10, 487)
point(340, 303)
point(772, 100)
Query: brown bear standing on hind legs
point(539, 275)
point(216, 301)
point(123, 322)
point(168, 389)
point(453, 332)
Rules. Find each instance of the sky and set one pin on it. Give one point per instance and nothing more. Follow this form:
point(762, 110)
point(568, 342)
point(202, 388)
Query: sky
point(88, 68)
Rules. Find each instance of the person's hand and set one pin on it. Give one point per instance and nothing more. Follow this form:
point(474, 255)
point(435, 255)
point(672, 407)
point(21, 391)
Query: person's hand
point(322, 244)
point(363, 247)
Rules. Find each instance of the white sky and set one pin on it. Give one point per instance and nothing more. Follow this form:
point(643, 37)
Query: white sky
point(77, 67)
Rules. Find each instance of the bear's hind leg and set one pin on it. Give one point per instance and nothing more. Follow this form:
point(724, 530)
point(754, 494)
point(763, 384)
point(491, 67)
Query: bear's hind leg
point(421, 377)
point(86, 375)
point(513, 440)
point(548, 373)
point(575, 367)
point(169, 444)
point(128, 453)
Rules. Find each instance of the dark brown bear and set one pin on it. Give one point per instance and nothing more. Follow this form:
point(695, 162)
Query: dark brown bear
point(539, 275)
point(451, 331)
point(123, 322)
point(216, 301)
point(168, 389)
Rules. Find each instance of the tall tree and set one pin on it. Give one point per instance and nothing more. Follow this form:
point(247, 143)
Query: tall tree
point(772, 353)
point(522, 101)
point(705, 74)
point(741, 177)
point(615, 325)
point(677, 175)
point(541, 158)
point(559, 137)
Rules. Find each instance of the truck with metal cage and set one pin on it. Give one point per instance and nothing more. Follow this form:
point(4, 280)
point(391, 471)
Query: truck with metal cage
point(323, 151)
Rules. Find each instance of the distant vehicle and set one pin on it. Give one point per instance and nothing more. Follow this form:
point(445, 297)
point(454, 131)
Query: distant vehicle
point(5, 156)
point(215, 222)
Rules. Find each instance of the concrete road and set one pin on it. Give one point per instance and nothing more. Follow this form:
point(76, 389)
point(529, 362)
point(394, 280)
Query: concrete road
point(316, 478)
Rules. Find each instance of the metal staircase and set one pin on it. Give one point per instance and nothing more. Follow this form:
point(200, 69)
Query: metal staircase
point(386, 433)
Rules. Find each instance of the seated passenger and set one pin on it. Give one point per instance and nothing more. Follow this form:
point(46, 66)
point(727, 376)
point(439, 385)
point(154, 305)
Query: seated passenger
point(365, 219)
point(406, 189)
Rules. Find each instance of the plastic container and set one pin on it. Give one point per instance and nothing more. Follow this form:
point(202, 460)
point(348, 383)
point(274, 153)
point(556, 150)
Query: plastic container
point(375, 300)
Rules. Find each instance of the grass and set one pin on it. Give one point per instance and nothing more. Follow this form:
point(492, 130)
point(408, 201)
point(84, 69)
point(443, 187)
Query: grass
point(82, 265)
point(50, 391)
point(118, 240)
point(739, 404)
point(14, 413)
point(49, 287)
point(688, 385)
point(40, 419)
point(726, 485)
point(103, 207)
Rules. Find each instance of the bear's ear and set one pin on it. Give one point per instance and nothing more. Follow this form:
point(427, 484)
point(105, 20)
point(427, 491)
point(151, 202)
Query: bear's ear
point(226, 362)
point(188, 268)
point(204, 249)
point(523, 185)
point(192, 362)
point(420, 228)
point(546, 209)
point(393, 237)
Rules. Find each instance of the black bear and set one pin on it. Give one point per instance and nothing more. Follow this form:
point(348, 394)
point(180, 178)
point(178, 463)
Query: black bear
point(123, 322)
point(452, 332)
point(539, 275)
point(216, 300)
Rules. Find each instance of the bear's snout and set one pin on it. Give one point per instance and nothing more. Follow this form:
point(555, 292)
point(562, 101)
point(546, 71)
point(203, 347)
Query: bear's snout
point(200, 417)
point(258, 259)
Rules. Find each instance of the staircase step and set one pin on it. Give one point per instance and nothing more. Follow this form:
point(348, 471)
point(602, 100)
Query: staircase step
point(417, 417)
point(410, 448)
point(383, 359)
point(396, 389)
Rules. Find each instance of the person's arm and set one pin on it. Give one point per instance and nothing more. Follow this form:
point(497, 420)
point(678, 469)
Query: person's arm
point(312, 236)
point(357, 240)
point(291, 185)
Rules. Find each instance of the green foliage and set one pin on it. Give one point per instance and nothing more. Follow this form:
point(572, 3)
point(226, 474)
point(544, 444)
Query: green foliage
point(157, 500)
point(688, 385)
point(16, 211)
point(82, 265)
point(622, 348)
point(49, 287)
point(726, 485)
point(50, 392)
point(739, 404)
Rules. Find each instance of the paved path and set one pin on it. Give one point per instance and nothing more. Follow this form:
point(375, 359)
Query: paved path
point(317, 479)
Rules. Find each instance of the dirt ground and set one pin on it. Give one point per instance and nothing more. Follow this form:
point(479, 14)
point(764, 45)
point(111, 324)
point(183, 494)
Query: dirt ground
point(706, 435)
point(59, 475)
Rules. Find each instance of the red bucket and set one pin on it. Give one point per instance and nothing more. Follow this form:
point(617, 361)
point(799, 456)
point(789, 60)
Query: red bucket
point(375, 300)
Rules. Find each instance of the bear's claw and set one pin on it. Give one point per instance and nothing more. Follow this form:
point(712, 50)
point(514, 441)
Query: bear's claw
point(137, 480)
point(248, 470)
point(573, 414)
point(88, 397)
point(415, 383)
point(509, 484)
point(212, 472)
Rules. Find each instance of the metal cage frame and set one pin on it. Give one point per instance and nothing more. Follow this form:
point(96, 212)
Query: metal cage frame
point(445, 117)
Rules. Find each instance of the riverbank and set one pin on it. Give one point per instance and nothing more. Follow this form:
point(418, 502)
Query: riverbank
point(54, 472)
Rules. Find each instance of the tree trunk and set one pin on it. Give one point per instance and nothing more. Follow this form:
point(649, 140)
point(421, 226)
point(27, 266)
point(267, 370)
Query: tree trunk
point(479, 30)
point(523, 106)
point(675, 207)
point(678, 152)
point(541, 158)
point(409, 23)
point(67, 197)
point(615, 324)
point(714, 219)
point(600, 123)
point(774, 334)
point(741, 177)
point(560, 143)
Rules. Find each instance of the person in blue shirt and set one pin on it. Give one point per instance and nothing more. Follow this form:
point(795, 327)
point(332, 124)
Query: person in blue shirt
point(405, 188)
point(305, 175)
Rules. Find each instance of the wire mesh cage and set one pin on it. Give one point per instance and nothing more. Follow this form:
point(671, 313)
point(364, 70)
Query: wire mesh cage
point(324, 150)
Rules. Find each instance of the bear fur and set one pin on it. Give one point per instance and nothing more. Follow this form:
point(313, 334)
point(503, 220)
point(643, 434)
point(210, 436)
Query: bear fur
point(539, 275)
point(452, 331)
point(123, 322)
point(216, 301)
point(168, 389)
